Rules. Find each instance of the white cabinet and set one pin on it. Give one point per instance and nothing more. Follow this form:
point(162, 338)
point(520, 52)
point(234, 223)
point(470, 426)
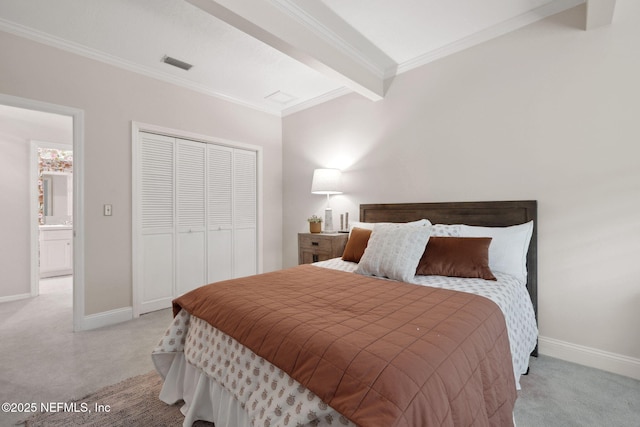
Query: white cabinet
point(195, 217)
point(56, 251)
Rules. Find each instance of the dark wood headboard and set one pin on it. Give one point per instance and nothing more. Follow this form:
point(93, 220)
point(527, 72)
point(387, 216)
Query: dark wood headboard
point(488, 214)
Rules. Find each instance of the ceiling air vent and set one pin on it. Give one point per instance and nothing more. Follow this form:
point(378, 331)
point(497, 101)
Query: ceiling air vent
point(280, 97)
point(176, 63)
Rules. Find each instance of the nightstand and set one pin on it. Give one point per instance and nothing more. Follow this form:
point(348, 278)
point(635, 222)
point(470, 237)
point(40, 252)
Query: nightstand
point(314, 247)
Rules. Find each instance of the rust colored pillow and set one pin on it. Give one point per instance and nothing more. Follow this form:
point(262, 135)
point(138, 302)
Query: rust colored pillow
point(356, 244)
point(456, 257)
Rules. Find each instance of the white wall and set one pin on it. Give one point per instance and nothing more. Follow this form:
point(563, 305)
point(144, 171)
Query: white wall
point(549, 112)
point(14, 210)
point(111, 98)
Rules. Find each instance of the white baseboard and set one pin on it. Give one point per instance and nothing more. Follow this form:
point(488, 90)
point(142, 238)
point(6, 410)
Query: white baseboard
point(107, 318)
point(592, 357)
point(9, 298)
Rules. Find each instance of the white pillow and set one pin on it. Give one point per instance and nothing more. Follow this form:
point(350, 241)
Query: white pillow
point(446, 230)
point(394, 250)
point(508, 248)
point(372, 225)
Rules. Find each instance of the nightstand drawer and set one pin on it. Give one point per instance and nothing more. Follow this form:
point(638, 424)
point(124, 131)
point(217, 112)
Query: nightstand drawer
point(309, 257)
point(314, 247)
point(315, 242)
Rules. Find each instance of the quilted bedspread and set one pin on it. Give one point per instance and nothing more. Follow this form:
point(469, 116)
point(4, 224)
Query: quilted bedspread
point(380, 352)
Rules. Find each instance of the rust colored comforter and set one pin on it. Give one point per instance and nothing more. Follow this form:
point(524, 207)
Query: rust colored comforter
point(382, 353)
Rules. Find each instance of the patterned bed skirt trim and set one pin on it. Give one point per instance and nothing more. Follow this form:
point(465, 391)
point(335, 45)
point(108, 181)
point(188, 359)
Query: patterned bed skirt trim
point(223, 382)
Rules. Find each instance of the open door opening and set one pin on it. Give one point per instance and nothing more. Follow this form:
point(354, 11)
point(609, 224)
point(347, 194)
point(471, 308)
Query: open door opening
point(41, 139)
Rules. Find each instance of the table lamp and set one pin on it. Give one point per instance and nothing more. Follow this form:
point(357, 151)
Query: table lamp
point(327, 181)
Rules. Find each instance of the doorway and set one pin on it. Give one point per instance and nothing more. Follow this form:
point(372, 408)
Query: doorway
point(30, 285)
point(53, 180)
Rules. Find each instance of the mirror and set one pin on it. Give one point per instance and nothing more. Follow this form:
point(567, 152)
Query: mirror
point(57, 203)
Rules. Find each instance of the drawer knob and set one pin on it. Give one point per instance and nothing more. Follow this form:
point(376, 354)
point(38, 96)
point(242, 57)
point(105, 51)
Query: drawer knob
point(315, 243)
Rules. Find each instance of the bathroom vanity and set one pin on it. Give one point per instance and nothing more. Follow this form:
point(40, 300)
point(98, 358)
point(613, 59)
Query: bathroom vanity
point(56, 250)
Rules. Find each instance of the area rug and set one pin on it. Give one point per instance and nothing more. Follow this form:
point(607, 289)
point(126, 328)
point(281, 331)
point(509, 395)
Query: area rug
point(132, 402)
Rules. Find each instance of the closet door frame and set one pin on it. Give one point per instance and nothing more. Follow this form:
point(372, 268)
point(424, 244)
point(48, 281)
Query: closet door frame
point(136, 129)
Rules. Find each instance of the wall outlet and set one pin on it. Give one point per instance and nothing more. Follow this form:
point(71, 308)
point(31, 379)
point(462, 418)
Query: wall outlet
point(107, 210)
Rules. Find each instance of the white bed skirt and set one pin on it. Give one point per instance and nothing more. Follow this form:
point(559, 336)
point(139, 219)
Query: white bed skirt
point(203, 398)
point(237, 388)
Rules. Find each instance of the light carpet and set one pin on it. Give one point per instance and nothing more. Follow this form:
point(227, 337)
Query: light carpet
point(564, 394)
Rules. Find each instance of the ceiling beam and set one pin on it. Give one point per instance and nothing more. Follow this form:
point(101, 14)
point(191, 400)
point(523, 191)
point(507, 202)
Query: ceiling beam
point(599, 13)
point(331, 47)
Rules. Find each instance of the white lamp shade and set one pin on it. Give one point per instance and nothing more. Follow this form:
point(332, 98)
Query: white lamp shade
point(326, 181)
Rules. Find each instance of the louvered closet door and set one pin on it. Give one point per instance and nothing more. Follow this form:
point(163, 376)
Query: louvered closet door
point(196, 217)
point(245, 213)
point(191, 211)
point(220, 216)
point(155, 265)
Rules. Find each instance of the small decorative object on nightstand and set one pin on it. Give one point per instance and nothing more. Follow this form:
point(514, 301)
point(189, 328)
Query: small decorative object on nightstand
point(314, 247)
point(315, 224)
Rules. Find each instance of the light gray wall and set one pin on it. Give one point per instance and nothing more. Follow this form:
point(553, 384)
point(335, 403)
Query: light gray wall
point(111, 98)
point(14, 214)
point(549, 112)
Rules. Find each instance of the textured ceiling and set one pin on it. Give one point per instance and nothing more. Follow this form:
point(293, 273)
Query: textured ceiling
point(278, 56)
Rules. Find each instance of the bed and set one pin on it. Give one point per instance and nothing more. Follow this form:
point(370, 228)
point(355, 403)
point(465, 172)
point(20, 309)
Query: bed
point(323, 345)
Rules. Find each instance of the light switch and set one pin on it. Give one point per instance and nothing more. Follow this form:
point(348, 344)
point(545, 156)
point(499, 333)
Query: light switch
point(107, 210)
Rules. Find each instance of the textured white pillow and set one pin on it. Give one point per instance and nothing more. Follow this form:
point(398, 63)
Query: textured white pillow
point(508, 248)
point(372, 225)
point(394, 251)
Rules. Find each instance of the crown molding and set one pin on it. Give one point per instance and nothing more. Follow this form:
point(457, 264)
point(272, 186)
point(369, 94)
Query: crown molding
point(78, 49)
point(490, 33)
point(75, 48)
point(321, 30)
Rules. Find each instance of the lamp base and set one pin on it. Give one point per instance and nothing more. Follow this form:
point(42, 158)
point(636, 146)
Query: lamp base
point(328, 220)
